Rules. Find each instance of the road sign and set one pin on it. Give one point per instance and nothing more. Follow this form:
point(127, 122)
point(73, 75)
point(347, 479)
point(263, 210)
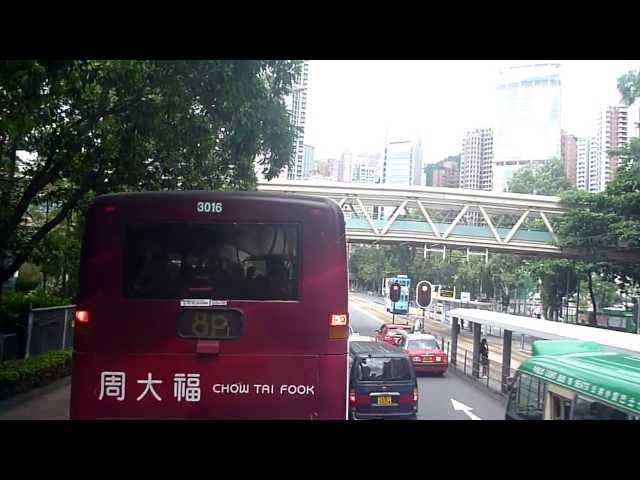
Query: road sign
point(447, 292)
point(424, 295)
point(465, 296)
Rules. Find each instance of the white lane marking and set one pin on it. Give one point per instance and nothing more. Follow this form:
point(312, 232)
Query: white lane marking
point(458, 406)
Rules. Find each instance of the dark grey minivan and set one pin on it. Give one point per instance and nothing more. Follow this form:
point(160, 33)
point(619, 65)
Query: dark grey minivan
point(382, 382)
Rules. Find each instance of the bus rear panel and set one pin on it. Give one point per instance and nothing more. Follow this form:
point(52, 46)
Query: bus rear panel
point(203, 305)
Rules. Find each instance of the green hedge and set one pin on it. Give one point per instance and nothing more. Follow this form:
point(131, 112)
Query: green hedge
point(17, 376)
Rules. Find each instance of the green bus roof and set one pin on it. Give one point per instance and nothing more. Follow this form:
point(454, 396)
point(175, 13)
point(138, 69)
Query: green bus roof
point(563, 347)
point(612, 378)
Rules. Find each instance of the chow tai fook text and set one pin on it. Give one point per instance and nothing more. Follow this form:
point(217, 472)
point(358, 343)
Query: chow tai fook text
point(186, 387)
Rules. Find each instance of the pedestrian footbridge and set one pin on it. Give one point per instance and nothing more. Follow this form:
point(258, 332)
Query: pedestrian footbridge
point(438, 217)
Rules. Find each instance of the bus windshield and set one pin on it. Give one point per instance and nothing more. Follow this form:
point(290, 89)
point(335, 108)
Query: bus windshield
point(219, 261)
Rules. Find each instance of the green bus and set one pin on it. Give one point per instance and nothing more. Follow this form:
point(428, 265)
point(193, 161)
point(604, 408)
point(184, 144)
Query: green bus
point(611, 319)
point(575, 380)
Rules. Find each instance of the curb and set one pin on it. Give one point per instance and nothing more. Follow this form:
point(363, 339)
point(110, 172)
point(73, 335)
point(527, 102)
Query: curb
point(21, 398)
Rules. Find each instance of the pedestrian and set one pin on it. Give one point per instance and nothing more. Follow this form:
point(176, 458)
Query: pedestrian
point(484, 357)
point(417, 326)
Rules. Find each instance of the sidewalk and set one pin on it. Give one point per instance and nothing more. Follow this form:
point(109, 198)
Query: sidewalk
point(50, 402)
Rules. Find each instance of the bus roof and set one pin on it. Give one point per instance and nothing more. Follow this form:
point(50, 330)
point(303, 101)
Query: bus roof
point(170, 195)
point(612, 378)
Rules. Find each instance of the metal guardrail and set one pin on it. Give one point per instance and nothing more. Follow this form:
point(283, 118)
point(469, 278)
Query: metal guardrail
point(488, 375)
point(47, 329)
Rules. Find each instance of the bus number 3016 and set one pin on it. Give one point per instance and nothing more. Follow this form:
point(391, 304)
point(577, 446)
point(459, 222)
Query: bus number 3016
point(209, 207)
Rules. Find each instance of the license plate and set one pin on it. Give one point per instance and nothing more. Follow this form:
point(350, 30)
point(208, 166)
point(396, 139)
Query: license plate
point(385, 400)
point(210, 324)
point(428, 359)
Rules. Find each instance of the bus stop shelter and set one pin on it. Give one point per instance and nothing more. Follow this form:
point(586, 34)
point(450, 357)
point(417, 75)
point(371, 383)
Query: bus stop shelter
point(622, 342)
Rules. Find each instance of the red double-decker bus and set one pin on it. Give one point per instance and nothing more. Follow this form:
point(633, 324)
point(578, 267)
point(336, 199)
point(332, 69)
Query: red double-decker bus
point(205, 305)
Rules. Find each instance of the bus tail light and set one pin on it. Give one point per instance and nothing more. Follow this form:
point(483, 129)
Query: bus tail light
point(338, 326)
point(82, 316)
point(352, 396)
point(81, 325)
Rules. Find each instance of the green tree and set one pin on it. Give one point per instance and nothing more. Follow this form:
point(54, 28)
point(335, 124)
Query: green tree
point(29, 277)
point(629, 86)
point(547, 178)
point(92, 127)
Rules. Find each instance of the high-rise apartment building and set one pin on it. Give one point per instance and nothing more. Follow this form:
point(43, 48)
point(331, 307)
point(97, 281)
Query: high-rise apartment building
point(586, 162)
point(569, 155)
point(296, 104)
point(402, 163)
point(476, 160)
point(613, 133)
point(528, 119)
point(365, 168)
point(445, 173)
point(308, 161)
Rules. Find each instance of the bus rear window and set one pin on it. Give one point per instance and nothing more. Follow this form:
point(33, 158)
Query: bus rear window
point(374, 369)
point(219, 261)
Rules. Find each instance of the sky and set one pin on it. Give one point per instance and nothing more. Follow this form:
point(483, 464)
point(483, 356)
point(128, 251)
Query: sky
point(351, 104)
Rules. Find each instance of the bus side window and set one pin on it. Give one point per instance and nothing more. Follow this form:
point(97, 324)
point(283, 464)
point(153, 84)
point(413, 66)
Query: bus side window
point(588, 409)
point(526, 398)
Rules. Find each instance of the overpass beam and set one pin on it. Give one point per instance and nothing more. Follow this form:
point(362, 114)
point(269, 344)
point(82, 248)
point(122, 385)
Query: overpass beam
point(477, 330)
point(506, 359)
point(455, 221)
point(517, 226)
point(549, 227)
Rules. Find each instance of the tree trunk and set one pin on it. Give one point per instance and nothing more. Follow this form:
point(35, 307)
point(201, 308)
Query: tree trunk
point(592, 315)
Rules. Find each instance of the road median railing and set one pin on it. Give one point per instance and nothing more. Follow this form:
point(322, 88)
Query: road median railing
point(47, 329)
point(489, 377)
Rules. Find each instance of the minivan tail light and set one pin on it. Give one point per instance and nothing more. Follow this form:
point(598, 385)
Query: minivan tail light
point(352, 396)
point(415, 394)
point(82, 316)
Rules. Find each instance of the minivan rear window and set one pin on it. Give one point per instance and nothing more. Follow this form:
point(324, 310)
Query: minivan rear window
point(372, 369)
point(216, 261)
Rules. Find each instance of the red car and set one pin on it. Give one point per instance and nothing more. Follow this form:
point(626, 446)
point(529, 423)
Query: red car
point(425, 353)
point(391, 333)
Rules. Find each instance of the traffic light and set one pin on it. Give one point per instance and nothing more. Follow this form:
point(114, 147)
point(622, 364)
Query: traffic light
point(423, 294)
point(394, 292)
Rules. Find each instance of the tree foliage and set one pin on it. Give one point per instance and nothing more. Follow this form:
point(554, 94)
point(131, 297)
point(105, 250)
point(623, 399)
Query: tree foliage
point(547, 178)
point(91, 127)
point(599, 224)
point(629, 86)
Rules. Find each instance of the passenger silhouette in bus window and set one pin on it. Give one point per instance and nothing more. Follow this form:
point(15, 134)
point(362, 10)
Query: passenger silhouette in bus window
point(153, 269)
